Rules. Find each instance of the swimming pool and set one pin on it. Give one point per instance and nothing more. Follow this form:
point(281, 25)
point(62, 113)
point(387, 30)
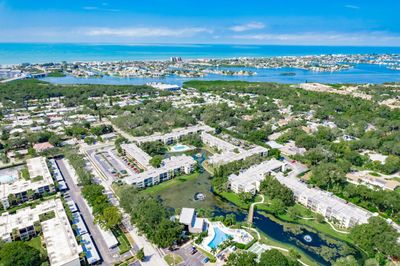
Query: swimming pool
point(219, 237)
point(4, 179)
point(180, 148)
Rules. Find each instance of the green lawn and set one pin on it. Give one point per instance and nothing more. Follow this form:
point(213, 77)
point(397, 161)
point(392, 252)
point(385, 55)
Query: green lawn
point(124, 245)
point(324, 228)
point(303, 257)
point(173, 259)
point(234, 198)
point(36, 243)
point(175, 181)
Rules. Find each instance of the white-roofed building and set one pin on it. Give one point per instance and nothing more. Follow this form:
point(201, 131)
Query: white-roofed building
point(189, 218)
point(138, 155)
point(229, 152)
point(91, 253)
point(174, 135)
point(109, 238)
point(61, 245)
point(331, 207)
point(171, 167)
point(40, 182)
point(250, 179)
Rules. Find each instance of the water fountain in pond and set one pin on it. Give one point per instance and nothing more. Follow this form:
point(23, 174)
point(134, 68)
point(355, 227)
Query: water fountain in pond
point(308, 238)
point(199, 196)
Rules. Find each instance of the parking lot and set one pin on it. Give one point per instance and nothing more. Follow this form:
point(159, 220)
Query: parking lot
point(186, 253)
point(111, 164)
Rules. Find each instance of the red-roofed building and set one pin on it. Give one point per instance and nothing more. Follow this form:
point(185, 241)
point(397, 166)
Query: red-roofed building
point(39, 147)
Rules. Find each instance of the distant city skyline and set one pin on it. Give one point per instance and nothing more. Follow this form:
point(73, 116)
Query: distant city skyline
point(358, 23)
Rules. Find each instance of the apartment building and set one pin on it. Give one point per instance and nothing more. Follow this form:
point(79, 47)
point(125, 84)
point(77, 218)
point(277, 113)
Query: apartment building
point(174, 135)
point(169, 168)
point(229, 152)
point(48, 217)
point(21, 190)
point(136, 154)
point(325, 203)
point(250, 179)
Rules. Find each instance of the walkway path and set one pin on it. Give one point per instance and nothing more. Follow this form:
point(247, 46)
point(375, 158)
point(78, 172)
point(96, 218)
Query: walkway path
point(251, 210)
point(333, 227)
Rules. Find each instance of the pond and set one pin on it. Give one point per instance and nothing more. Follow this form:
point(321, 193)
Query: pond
point(322, 249)
point(317, 246)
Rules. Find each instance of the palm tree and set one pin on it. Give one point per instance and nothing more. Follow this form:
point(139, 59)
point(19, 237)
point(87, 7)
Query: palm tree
point(213, 250)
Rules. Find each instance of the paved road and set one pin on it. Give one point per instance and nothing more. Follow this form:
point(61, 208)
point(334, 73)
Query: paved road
point(188, 258)
point(119, 131)
point(153, 255)
point(75, 194)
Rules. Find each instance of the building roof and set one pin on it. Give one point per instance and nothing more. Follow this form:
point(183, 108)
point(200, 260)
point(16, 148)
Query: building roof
point(135, 152)
point(109, 238)
point(167, 165)
point(36, 167)
point(324, 199)
point(186, 216)
point(57, 232)
point(42, 146)
point(92, 255)
point(228, 151)
point(367, 178)
point(255, 173)
point(174, 134)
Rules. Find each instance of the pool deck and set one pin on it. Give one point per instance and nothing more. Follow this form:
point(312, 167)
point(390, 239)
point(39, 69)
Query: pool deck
point(239, 235)
point(186, 148)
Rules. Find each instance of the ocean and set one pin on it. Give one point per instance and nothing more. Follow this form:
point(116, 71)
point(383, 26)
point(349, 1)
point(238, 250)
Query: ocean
point(14, 53)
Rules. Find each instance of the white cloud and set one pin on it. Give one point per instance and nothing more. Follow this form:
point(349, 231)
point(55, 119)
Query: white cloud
point(352, 6)
point(146, 32)
point(248, 26)
point(318, 38)
point(90, 8)
point(95, 8)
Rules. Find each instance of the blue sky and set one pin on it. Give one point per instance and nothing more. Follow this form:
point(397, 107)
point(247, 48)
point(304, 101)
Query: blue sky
point(306, 22)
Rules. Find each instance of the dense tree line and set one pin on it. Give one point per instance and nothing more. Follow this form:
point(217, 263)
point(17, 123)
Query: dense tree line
point(267, 258)
point(192, 140)
point(375, 127)
point(107, 215)
point(19, 253)
point(154, 148)
point(25, 90)
point(151, 217)
point(275, 190)
point(151, 117)
point(377, 237)
point(331, 177)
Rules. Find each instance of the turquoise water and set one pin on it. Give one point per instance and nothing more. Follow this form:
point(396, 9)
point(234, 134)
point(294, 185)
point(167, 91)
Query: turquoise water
point(219, 237)
point(179, 148)
point(6, 179)
point(13, 53)
point(362, 73)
